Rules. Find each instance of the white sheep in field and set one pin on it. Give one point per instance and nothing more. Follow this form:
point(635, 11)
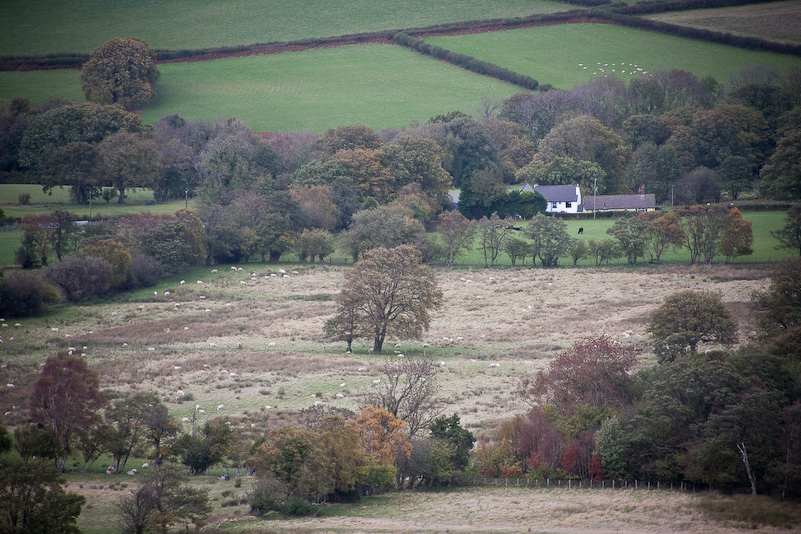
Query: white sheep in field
point(185, 420)
point(282, 271)
point(110, 470)
point(132, 472)
point(201, 411)
point(145, 465)
point(232, 267)
point(214, 270)
point(200, 281)
point(220, 407)
point(183, 282)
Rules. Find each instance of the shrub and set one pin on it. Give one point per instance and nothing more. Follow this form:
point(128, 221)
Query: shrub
point(80, 278)
point(23, 294)
point(267, 496)
point(299, 507)
point(24, 199)
point(145, 270)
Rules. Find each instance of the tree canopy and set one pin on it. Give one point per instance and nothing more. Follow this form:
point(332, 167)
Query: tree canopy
point(123, 71)
point(393, 293)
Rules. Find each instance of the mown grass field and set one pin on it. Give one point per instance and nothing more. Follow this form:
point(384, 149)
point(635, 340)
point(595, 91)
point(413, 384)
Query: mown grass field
point(48, 26)
point(557, 55)
point(775, 21)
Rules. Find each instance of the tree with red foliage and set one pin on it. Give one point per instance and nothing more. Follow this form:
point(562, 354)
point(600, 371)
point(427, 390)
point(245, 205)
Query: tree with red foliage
point(592, 373)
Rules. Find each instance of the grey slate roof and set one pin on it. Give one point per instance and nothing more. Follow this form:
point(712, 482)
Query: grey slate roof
point(620, 202)
point(556, 193)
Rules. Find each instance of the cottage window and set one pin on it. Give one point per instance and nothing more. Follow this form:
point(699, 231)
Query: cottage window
point(568, 204)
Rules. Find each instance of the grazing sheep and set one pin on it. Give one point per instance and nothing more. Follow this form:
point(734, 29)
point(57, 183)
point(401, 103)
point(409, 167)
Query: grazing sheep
point(494, 364)
point(234, 268)
point(243, 283)
point(132, 472)
point(110, 470)
point(220, 407)
point(201, 411)
point(185, 420)
point(340, 396)
point(214, 271)
point(377, 381)
point(200, 281)
point(145, 465)
point(282, 271)
point(183, 282)
point(54, 329)
point(271, 344)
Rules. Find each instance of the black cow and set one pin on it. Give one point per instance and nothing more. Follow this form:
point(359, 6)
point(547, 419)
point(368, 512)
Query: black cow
point(581, 230)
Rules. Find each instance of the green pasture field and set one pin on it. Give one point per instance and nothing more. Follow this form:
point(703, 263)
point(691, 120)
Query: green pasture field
point(41, 85)
point(775, 21)
point(557, 54)
point(50, 26)
point(764, 244)
point(380, 86)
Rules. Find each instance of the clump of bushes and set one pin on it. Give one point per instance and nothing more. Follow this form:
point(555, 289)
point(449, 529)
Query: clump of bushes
point(23, 294)
point(270, 495)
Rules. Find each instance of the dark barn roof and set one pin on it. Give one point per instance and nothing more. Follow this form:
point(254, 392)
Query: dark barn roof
point(620, 202)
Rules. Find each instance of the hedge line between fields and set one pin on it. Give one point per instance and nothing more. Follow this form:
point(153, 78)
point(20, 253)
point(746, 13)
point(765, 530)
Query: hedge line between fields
point(600, 10)
point(466, 62)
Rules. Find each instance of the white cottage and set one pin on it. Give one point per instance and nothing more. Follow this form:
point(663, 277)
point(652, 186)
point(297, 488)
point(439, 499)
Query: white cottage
point(561, 198)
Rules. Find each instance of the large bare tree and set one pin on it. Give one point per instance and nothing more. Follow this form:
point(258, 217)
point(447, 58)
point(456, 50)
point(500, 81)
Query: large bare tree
point(408, 390)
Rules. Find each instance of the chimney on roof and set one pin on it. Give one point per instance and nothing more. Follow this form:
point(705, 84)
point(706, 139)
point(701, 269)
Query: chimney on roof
point(641, 191)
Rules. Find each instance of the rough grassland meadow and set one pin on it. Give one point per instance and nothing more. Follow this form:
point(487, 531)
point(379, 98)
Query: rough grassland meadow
point(53, 26)
point(558, 55)
point(776, 21)
point(517, 318)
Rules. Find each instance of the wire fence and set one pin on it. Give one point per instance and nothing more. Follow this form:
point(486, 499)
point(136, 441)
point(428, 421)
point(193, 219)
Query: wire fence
point(588, 484)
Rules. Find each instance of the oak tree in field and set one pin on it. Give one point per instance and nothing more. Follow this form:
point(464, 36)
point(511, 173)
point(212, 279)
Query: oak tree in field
point(661, 232)
point(393, 292)
point(550, 237)
point(66, 401)
point(700, 314)
point(122, 71)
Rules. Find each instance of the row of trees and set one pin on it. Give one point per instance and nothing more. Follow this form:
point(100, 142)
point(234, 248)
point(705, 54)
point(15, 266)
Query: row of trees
point(724, 418)
point(135, 251)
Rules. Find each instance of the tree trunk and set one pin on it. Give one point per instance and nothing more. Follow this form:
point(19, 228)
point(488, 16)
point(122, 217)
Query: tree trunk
point(122, 195)
point(744, 453)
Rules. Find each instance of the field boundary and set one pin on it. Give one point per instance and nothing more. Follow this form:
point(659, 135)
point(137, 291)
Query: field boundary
point(628, 16)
